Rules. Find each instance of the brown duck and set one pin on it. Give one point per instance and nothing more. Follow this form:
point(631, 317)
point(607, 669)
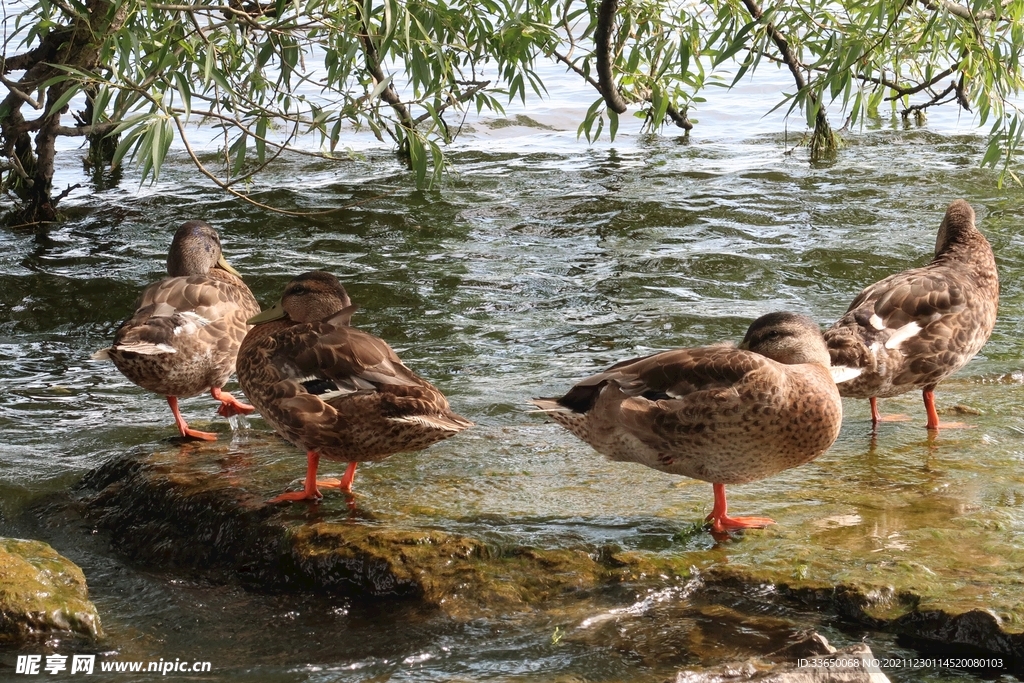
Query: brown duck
point(184, 335)
point(720, 414)
point(333, 390)
point(916, 328)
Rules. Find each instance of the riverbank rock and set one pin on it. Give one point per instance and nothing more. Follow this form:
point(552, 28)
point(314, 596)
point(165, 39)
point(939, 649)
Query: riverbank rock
point(202, 509)
point(42, 592)
point(170, 511)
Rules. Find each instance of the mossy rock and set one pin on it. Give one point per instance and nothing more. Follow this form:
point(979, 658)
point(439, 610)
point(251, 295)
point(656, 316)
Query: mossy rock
point(42, 592)
point(162, 510)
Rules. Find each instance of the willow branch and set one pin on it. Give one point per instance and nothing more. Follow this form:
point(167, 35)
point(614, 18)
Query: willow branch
point(962, 11)
point(564, 59)
point(464, 97)
point(603, 51)
point(245, 198)
point(389, 94)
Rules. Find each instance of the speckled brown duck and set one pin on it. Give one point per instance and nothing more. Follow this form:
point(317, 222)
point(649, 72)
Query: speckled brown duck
point(333, 390)
point(916, 328)
point(720, 414)
point(186, 330)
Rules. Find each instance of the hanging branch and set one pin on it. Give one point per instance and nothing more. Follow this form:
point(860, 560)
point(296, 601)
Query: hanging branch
point(603, 51)
point(389, 94)
point(822, 140)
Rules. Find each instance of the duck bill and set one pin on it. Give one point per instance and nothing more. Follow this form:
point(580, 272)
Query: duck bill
point(743, 346)
point(223, 264)
point(274, 313)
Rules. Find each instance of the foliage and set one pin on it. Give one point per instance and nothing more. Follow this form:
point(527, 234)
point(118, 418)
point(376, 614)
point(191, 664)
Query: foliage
point(268, 72)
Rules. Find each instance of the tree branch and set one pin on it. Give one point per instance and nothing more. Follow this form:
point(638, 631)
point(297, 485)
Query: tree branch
point(389, 94)
point(962, 11)
point(464, 97)
point(603, 51)
point(564, 59)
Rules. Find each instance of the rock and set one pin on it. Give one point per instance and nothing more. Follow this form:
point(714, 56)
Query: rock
point(162, 511)
point(822, 664)
point(42, 592)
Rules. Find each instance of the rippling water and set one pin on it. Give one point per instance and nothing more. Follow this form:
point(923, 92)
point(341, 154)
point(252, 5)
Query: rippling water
point(540, 260)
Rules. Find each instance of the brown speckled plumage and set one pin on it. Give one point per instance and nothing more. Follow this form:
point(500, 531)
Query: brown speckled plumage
point(915, 328)
point(334, 390)
point(719, 414)
point(184, 336)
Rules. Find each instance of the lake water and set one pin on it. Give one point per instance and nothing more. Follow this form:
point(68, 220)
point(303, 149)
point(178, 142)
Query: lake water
point(539, 260)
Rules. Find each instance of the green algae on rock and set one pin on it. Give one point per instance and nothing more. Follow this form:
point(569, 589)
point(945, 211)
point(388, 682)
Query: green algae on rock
point(201, 509)
point(164, 510)
point(42, 592)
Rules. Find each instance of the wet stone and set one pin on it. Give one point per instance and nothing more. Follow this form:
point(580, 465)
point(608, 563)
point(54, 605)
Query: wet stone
point(202, 510)
point(164, 510)
point(41, 593)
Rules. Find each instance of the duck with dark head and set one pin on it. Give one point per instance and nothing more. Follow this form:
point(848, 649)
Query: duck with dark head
point(333, 390)
point(184, 335)
point(720, 414)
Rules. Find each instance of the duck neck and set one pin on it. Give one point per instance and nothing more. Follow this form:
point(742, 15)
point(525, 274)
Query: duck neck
point(972, 250)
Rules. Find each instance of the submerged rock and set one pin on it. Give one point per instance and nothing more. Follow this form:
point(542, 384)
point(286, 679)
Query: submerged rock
point(42, 592)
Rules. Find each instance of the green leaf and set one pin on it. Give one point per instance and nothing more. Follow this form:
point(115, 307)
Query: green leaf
point(65, 98)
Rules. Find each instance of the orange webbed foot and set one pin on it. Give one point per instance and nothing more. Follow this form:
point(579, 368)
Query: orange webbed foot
point(949, 425)
point(190, 433)
point(290, 496)
point(893, 418)
point(725, 523)
point(721, 521)
point(229, 405)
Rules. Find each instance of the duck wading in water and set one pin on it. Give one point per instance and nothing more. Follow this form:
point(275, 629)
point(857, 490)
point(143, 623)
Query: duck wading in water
point(333, 390)
point(916, 328)
point(720, 414)
point(186, 330)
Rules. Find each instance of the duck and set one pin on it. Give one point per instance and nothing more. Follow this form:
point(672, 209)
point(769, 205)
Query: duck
point(915, 328)
point(184, 336)
point(333, 390)
point(721, 414)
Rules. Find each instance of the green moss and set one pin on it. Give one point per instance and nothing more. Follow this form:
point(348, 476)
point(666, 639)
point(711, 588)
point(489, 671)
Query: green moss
point(41, 592)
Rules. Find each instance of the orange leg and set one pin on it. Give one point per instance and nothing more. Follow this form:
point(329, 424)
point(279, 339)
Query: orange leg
point(229, 405)
point(721, 521)
point(877, 417)
point(183, 428)
point(311, 490)
point(933, 415)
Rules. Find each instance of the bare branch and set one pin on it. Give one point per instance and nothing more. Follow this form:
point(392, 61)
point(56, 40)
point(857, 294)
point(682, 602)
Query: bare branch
point(564, 59)
point(962, 11)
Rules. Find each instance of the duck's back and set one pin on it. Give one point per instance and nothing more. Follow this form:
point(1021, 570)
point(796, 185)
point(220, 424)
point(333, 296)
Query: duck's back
point(341, 392)
point(717, 414)
point(185, 333)
point(915, 328)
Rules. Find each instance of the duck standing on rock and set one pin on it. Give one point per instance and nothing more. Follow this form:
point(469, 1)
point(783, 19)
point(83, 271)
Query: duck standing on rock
point(186, 330)
point(720, 414)
point(333, 390)
point(916, 328)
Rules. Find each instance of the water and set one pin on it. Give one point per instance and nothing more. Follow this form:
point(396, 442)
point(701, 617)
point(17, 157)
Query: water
point(539, 261)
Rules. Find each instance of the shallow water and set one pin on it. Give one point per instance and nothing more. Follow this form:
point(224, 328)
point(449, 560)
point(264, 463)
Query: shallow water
point(540, 261)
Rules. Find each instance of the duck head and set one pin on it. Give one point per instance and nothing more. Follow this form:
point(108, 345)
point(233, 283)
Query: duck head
point(195, 250)
point(788, 338)
point(308, 298)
